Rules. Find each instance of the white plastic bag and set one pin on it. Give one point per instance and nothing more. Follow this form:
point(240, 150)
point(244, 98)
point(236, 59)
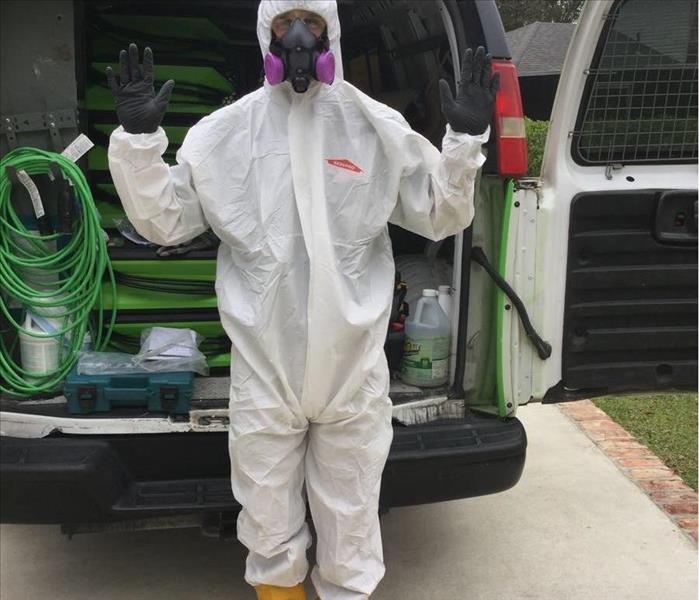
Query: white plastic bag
point(163, 349)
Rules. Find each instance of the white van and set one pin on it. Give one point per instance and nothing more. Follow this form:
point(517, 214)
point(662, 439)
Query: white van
point(579, 283)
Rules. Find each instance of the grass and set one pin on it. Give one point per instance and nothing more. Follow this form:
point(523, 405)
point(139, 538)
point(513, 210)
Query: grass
point(536, 140)
point(666, 423)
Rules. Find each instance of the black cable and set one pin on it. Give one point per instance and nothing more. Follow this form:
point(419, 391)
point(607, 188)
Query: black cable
point(543, 348)
point(175, 286)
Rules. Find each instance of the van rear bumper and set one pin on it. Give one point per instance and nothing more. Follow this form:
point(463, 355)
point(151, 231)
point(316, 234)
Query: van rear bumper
point(79, 479)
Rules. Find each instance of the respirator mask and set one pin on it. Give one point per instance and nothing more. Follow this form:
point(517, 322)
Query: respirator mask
point(299, 57)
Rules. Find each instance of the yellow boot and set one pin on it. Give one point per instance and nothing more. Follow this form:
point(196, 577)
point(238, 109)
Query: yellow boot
point(273, 592)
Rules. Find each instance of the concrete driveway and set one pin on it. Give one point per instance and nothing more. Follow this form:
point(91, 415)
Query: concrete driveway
point(574, 528)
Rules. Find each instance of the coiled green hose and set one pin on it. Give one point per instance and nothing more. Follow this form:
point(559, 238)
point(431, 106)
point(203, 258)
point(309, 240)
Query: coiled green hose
point(55, 276)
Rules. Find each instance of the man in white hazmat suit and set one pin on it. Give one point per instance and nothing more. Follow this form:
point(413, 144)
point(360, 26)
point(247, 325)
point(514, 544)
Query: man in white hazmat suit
point(299, 180)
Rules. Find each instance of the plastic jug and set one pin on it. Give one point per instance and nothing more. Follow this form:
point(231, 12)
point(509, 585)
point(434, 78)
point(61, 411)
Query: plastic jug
point(445, 299)
point(427, 346)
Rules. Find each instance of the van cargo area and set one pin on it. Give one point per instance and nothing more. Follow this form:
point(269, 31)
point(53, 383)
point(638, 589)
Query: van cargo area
point(452, 441)
point(176, 289)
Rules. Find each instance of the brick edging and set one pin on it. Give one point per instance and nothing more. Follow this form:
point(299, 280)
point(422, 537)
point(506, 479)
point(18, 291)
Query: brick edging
point(659, 482)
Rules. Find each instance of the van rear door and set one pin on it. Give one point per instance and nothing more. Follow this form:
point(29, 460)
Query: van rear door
point(614, 268)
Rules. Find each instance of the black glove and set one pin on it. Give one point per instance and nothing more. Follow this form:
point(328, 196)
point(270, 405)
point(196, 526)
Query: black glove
point(138, 108)
point(472, 109)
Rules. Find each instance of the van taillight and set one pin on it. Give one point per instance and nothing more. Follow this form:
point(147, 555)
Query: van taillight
point(509, 122)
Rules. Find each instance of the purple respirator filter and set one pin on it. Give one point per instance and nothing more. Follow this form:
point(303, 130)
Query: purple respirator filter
point(325, 68)
point(274, 69)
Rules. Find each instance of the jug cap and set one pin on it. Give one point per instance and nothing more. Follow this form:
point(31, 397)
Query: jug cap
point(430, 293)
point(444, 289)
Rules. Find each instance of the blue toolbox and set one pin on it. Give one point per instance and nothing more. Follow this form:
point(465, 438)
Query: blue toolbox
point(156, 392)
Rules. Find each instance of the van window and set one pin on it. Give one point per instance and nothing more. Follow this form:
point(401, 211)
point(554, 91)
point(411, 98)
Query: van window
point(640, 100)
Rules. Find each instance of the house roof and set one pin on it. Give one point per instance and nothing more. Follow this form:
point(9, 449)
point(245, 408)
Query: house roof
point(540, 48)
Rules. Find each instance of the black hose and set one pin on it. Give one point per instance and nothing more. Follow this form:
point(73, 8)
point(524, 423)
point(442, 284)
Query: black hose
point(174, 286)
point(543, 348)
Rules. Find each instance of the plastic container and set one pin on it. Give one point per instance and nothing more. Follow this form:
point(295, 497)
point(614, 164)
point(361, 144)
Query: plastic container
point(40, 355)
point(155, 392)
point(421, 273)
point(445, 299)
point(87, 343)
point(427, 346)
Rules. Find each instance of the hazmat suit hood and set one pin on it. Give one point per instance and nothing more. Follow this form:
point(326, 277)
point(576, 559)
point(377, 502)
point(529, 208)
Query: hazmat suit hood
point(269, 9)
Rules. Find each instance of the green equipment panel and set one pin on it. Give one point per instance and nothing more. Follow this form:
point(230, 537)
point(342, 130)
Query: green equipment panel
point(214, 61)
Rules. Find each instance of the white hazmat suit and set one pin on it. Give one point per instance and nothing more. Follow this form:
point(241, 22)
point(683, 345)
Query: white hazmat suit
point(300, 189)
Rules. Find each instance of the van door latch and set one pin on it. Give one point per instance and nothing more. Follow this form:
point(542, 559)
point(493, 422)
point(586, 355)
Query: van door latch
point(676, 217)
point(612, 167)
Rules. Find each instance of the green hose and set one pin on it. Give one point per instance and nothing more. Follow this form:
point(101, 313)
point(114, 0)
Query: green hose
point(54, 276)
